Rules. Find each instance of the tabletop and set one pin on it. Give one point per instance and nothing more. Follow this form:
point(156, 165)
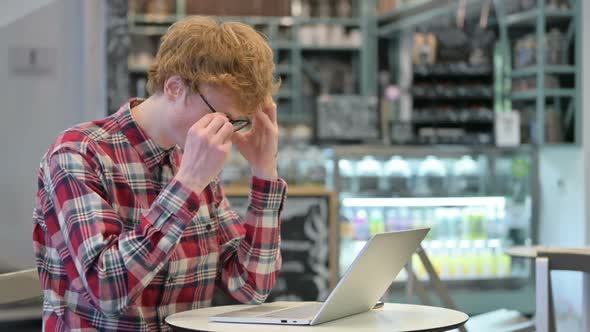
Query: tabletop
point(391, 317)
point(523, 251)
point(532, 251)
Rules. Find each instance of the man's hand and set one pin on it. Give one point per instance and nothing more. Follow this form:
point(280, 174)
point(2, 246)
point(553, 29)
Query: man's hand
point(260, 144)
point(207, 146)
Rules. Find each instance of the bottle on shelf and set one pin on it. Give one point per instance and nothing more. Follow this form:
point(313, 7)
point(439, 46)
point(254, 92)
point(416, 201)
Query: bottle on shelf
point(495, 224)
point(444, 261)
point(430, 221)
point(471, 261)
point(391, 221)
point(474, 220)
point(455, 268)
point(418, 268)
point(504, 265)
point(455, 216)
point(361, 225)
point(417, 216)
point(404, 221)
point(347, 239)
point(489, 268)
point(443, 221)
point(376, 221)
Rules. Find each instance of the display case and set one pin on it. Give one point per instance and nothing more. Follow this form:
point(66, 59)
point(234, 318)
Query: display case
point(476, 203)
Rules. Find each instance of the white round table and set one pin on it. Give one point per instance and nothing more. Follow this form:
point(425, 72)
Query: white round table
point(391, 317)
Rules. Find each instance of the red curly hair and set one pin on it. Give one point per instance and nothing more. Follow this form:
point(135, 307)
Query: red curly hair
point(203, 51)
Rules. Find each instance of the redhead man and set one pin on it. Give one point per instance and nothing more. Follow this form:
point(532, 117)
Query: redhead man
point(131, 223)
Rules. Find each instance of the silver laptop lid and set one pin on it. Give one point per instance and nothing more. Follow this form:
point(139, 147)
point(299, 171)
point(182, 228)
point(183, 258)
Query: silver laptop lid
point(371, 273)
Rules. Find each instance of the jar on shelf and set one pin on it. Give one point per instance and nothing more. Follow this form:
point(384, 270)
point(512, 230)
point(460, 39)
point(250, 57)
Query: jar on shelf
point(311, 168)
point(300, 140)
point(287, 164)
point(369, 171)
point(398, 177)
point(432, 177)
point(346, 169)
point(236, 170)
point(466, 177)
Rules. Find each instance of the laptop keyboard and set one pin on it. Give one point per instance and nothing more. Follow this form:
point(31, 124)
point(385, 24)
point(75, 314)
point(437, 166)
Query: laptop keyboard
point(303, 311)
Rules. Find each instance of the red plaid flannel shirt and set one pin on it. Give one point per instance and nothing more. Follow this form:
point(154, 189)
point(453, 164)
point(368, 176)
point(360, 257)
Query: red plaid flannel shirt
point(120, 245)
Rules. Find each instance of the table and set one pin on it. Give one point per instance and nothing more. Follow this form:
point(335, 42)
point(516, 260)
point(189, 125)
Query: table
point(547, 259)
point(391, 317)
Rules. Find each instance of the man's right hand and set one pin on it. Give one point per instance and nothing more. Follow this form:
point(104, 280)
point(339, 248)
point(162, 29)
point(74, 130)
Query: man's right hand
point(208, 143)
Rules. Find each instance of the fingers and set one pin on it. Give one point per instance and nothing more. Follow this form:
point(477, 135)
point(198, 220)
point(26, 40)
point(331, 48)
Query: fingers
point(270, 109)
point(224, 134)
point(215, 125)
point(265, 119)
point(205, 120)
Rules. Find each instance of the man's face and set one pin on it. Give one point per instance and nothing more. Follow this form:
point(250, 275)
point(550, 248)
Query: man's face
point(209, 99)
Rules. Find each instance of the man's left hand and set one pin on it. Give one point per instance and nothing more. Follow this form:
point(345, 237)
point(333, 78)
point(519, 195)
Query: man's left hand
point(259, 145)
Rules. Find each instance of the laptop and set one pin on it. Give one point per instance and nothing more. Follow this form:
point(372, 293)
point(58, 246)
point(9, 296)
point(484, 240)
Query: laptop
point(365, 281)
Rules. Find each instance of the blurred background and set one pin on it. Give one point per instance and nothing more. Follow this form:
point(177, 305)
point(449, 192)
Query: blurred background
point(465, 116)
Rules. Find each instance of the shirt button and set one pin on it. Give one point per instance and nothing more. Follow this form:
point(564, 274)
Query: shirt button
point(208, 227)
point(192, 206)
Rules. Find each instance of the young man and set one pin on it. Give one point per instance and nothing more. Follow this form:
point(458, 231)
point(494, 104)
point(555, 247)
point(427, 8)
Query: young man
point(131, 224)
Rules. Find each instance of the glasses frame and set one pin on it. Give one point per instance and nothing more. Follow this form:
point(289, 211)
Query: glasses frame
point(238, 124)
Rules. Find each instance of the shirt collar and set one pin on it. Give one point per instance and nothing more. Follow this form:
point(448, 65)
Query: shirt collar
point(151, 153)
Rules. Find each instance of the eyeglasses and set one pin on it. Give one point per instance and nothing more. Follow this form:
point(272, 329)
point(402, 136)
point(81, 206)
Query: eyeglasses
point(237, 124)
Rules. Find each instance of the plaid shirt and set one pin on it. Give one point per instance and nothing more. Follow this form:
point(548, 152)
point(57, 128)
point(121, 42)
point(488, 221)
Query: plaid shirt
point(120, 244)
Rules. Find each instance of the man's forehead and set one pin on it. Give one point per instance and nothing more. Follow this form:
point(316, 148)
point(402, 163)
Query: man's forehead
point(226, 101)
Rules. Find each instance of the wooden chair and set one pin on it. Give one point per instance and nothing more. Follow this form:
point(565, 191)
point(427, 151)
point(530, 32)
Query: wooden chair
point(549, 259)
point(552, 259)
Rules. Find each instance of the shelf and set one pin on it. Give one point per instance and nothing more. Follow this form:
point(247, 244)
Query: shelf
point(421, 13)
point(423, 201)
point(283, 69)
point(467, 97)
point(253, 20)
point(549, 93)
point(151, 19)
point(148, 30)
point(344, 21)
point(446, 123)
point(354, 151)
point(137, 70)
point(284, 95)
point(551, 69)
point(404, 10)
point(422, 74)
point(529, 17)
point(335, 48)
point(295, 190)
point(476, 282)
point(281, 45)
point(260, 20)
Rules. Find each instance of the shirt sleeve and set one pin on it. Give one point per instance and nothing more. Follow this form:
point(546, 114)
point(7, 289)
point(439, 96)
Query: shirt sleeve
point(112, 264)
point(250, 258)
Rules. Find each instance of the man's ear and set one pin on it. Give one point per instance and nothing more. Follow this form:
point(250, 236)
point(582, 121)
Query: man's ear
point(174, 87)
